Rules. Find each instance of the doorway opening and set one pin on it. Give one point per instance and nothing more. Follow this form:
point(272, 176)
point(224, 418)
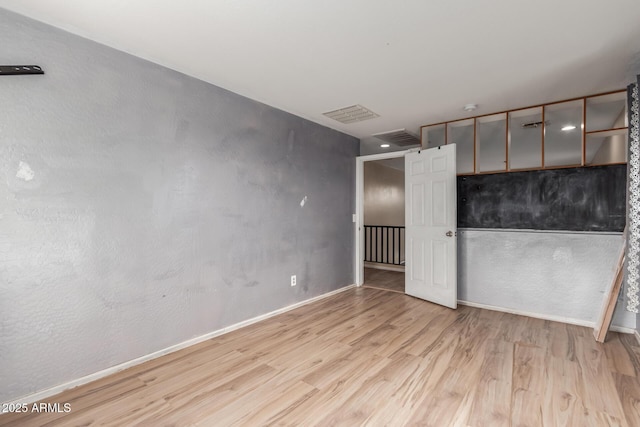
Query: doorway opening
point(384, 232)
point(429, 242)
point(380, 212)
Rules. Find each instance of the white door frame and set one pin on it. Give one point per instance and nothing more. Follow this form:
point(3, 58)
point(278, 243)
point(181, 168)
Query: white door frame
point(359, 228)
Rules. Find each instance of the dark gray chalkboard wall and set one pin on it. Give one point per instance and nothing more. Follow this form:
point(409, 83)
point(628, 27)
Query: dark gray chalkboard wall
point(578, 199)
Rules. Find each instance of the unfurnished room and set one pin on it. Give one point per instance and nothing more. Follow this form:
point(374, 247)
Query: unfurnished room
point(337, 213)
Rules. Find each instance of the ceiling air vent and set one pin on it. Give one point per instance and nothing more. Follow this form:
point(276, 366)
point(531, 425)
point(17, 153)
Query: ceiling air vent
point(399, 137)
point(355, 113)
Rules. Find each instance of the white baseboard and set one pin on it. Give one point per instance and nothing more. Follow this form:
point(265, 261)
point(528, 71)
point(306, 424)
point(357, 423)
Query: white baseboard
point(551, 317)
point(35, 397)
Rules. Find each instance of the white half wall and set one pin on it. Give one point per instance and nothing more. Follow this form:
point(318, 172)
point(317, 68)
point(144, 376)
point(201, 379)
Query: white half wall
point(562, 274)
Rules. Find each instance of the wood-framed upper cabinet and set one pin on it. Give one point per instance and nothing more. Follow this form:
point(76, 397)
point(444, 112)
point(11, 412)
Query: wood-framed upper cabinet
point(586, 131)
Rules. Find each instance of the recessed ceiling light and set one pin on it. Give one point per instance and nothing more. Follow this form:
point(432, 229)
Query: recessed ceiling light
point(470, 107)
point(568, 128)
point(384, 146)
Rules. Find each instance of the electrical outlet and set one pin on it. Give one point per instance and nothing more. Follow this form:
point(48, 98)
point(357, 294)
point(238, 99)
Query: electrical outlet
point(293, 280)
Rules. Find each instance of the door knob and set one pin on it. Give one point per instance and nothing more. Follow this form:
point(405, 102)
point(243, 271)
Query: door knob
point(449, 233)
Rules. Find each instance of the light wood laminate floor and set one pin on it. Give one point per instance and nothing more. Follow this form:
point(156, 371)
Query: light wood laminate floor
point(384, 279)
point(371, 357)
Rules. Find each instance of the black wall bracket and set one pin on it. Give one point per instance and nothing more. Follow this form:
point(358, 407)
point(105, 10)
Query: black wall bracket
point(16, 70)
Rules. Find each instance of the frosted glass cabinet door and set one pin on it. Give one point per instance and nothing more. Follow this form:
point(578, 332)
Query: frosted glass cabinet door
point(563, 134)
point(525, 138)
point(461, 134)
point(606, 136)
point(607, 112)
point(433, 136)
point(605, 148)
point(491, 143)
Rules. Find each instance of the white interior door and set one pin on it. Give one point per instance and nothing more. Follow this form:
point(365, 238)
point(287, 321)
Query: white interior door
point(430, 222)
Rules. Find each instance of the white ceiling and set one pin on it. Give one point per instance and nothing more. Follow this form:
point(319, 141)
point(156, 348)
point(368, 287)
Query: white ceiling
point(413, 62)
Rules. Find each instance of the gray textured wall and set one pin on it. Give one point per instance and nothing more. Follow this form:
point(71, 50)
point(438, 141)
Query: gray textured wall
point(140, 208)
